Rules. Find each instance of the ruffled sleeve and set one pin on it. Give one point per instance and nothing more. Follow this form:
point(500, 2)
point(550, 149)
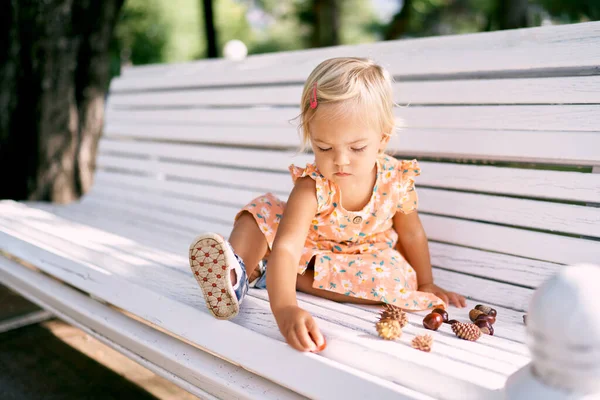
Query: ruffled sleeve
point(404, 186)
point(324, 189)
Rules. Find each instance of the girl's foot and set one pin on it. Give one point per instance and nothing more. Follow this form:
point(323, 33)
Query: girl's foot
point(212, 261)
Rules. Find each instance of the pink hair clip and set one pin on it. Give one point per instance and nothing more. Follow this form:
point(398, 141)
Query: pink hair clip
point(313, 100)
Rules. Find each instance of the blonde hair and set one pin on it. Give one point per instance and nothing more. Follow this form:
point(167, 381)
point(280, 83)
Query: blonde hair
point(353, 84)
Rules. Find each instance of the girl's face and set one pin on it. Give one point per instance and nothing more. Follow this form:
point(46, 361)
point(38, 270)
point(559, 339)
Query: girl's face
point(345, 147)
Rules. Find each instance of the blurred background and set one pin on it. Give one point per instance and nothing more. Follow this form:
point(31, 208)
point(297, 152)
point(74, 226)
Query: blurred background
point(168, 31)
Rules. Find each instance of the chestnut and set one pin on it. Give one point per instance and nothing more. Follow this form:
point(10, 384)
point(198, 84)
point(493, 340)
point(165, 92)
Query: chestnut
point(486, 309)
point(433, 321)
point(485, 326)
point(474, 314)
point(488, 318)
point(443, 313)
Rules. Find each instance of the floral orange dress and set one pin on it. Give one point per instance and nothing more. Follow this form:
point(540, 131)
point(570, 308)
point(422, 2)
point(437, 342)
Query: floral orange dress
point(354, 251)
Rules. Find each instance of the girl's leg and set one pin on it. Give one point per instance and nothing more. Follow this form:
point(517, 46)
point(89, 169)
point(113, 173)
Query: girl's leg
point(249, 243)
point(304, 284)
point(217, 266)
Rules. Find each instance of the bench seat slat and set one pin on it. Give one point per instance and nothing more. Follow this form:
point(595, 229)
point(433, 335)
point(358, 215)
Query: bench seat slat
point(474, 287)
point(177, 262)
point(546, 184)
point(512, 331)
point(175, 265)
point(466, 377)
point(198, 372)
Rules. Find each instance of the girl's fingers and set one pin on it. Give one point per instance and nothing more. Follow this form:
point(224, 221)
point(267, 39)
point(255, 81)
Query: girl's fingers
point(454, 299)
point(463, 301)
point(293, 341)
point(315, 333)
point(458, 300)
point(304, 338)
point(443, 296)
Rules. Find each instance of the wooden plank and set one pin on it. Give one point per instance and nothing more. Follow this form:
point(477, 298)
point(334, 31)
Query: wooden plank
point(140, 250)
point(464, 259)
point(101, 214)
point(567, 148)
point(502, 294)
point(508, 211)
point(573, 46)
point(155, 302)
point(512, 241)
point(194, 370)
point(548, 216)
point(555, 118)
point(169, 219)
point(484, 264)
point(524, 272)
point(472, 261)
point(31, 318)
point(409, 366)
point(255, 180)
point(545, 184)
point(484, 290)
point(509, 323)
point(560, 90)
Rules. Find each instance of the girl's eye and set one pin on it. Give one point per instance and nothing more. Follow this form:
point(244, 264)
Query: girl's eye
point(321, 149)
point(361, 149)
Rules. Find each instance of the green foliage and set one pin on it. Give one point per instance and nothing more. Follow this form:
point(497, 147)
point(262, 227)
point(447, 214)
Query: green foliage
point(289, 24)
point(357, 22)
point(572, 10)
point(141, 34)
point(166, 31)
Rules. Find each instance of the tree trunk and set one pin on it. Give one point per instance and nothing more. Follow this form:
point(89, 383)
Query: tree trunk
point(54, 72)
point(512, 14)
point(209, 29)
point(326, 23)
point(399, 23)
point(508, 14)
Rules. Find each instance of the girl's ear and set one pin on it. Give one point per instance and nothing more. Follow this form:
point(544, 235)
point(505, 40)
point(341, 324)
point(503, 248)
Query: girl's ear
point(385, 139)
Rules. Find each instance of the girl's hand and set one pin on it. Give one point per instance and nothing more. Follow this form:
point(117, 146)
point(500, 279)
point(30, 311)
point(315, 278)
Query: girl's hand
point(448, 297)
point(299, 329)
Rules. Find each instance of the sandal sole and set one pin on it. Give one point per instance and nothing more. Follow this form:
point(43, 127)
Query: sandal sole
point(210, 258)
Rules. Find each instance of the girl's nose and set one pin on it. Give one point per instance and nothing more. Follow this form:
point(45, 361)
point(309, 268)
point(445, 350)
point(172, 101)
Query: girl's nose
point(341, 159)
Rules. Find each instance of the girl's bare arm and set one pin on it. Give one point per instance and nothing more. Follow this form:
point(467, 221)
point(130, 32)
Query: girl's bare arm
point(413, 244)
point(289, 242)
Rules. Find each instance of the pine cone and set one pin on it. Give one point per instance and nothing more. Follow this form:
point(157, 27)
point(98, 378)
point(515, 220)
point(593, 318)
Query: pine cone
point(466, 331)
point(422, 342)
point(396, 313)
point(389, 329)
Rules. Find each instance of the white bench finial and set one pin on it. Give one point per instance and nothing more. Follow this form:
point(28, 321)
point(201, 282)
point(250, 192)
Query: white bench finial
point(563, 335)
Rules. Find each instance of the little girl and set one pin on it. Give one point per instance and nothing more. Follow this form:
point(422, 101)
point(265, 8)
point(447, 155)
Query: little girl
point(349, 231)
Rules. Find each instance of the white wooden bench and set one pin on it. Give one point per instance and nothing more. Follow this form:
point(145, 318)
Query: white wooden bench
point(506, 126)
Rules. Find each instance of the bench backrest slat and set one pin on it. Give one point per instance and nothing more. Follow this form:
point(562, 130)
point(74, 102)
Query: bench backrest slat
point(546, 51)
